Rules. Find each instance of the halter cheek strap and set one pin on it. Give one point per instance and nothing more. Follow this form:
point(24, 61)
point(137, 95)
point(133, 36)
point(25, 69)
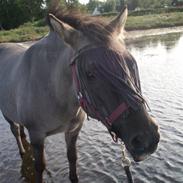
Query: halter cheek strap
point(108, 121)
point(117, 112)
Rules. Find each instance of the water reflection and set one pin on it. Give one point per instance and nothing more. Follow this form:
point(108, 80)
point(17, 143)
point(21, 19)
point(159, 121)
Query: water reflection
point(169, 41)
point(161, 69)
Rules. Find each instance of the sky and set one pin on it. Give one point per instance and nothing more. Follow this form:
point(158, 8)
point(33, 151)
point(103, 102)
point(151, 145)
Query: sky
point(83, 1)
point(86, 1)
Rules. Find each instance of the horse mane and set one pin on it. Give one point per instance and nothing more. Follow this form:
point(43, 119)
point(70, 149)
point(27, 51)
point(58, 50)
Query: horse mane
point(94, 28)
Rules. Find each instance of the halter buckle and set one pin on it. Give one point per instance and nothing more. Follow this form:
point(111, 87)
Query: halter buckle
point(79, 95)
point(114, 136)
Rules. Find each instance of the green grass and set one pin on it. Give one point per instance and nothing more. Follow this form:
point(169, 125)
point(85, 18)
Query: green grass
point(36, 30)
point(154, 21)
point(28, 31)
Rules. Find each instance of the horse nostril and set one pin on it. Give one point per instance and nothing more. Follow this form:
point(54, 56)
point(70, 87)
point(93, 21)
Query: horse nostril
point(156, 139)
point(137, 143)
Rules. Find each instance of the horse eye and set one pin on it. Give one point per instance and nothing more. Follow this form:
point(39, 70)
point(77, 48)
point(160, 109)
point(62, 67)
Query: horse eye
point(90, 75)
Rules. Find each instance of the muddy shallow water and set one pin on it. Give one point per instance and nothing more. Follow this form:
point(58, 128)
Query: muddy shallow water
point(160, 61)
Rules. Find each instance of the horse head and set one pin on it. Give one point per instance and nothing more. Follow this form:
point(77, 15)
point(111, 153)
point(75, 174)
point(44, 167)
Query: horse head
point(107, 82)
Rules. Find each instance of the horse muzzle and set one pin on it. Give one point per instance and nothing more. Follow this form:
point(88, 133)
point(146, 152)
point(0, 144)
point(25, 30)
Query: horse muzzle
point(141, 147)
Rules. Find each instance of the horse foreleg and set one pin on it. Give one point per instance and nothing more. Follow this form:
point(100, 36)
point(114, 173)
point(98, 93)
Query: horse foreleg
point(22, 133)
point(72, 155)
point(38, 150)
point(71, 138)
point(15, 128)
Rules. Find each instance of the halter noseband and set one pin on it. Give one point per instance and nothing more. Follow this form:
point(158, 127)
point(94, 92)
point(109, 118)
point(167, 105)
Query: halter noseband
point(84, 101)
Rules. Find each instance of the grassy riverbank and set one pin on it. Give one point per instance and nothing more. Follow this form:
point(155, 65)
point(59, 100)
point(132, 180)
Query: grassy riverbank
point(27, 32)
point(34, 31)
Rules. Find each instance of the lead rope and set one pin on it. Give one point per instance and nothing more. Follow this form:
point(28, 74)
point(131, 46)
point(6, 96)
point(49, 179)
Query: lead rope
point(126, 163)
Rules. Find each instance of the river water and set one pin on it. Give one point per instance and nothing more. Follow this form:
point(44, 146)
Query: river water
point(160, 60)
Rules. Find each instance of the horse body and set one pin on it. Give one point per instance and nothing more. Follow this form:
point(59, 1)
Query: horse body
point(37, 92)
point(10, 60)
point(39, 89)
point(42, 97)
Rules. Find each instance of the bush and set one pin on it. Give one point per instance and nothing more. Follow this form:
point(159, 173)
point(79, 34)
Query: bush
point(155, 11)
point(16, 12)
point(108, 14)
point(145, 12)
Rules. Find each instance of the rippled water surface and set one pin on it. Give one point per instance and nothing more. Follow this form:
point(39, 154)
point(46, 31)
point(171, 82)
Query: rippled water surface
point(160, 61)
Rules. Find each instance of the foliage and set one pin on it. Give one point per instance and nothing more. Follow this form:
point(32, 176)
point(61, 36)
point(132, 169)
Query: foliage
point(73, 3)
point(66, 4)
point(120, 4)
point(146, 12)
point(155, 11)
point(92, 4)
point(109, 5)
point(155, 21)
point(33, 31)
point(147, 4)
point(63, 3)
point(117, 5)
point(15, 12)
point(26, 32)
point(105, 6)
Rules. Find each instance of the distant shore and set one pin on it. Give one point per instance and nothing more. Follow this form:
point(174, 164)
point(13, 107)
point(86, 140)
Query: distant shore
point(136, 26)
point(134, 34)
point(130, 36)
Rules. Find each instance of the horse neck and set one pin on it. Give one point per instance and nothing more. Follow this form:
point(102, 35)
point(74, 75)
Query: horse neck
point(61, 73)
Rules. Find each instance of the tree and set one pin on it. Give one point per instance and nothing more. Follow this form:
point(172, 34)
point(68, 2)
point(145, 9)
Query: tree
point(11, 14)
point(120, 4)
point(133, 4)
point(92, 4)
point(62, 3)
point(15, 12)
point(73, 3)
point(148, 4)
point(109, 5)
point(33, 8)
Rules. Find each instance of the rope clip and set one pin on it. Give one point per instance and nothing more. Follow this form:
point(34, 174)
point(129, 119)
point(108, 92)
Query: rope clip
point(114, 137)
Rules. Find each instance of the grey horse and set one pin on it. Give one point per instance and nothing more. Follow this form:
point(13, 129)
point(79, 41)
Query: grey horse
point(39, 87)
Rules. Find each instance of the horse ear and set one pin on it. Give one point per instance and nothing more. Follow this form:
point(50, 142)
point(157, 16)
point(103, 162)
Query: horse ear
point(118, 24)
point(66, 32)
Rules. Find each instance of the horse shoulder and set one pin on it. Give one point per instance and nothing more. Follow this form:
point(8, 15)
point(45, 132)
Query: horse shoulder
point(10, 56)
point(49, 88)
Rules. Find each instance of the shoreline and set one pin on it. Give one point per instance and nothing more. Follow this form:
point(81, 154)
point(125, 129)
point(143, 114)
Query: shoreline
point(135, 34)
point(129, 36)
point(138, 26)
